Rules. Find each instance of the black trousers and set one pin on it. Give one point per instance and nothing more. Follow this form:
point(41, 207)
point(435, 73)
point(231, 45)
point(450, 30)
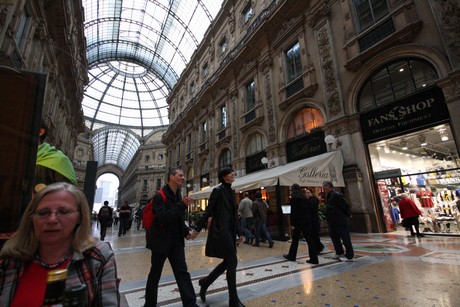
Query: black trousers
point(229, 263)
point(295, 243)
point(176, 257)
point(339, 234)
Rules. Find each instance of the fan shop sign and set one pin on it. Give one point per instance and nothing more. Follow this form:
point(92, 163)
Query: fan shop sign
point(420, 110)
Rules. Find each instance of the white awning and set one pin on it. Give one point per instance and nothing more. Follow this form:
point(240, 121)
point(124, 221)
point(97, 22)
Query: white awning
point(309, 172)
point(205, 193)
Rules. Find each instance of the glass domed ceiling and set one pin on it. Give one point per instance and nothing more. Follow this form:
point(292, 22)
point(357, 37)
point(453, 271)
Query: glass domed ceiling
point(136, 51)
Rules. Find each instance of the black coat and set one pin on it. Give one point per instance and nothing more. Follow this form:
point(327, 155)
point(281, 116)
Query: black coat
point(299, 212)
point(337, 208)
point(169, 223)
point(313, 216)
point(224, 228)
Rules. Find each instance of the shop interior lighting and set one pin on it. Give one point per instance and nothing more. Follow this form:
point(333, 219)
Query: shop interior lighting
point(443, 134)
point(422, 140)
point(386, 148)
point(403, 144)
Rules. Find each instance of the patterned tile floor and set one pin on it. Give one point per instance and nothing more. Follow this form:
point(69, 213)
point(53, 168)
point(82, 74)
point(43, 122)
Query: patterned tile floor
point(390, 270)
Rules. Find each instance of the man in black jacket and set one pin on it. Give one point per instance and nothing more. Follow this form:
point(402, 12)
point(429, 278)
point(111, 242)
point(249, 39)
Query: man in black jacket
point(105, 218)
point(338, 219)
point(166, 240)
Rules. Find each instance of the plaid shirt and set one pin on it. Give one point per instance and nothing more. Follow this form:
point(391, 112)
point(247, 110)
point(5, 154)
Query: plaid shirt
point(94, 267)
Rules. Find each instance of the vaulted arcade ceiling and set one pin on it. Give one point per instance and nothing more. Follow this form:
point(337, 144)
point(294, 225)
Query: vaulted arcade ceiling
point(136, 51)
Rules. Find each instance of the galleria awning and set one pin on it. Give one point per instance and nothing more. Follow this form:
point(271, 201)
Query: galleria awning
point(309, 172)
point(205, 193)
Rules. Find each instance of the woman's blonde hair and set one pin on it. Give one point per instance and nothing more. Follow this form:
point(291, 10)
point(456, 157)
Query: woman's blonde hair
point(24, 244)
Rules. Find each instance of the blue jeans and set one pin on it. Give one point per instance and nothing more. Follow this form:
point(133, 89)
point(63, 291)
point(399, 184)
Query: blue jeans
point(261, 229)
point(340, 234)
point(123, 225)
point(245, 224)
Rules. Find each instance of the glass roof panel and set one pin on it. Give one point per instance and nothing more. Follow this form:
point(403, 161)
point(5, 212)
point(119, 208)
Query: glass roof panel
point(136, 51)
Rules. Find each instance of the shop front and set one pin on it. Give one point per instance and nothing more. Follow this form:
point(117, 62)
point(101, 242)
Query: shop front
point(412, 150)
point(274, 184)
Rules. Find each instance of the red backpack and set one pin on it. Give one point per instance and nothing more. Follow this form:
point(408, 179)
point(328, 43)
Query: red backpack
point(148, 216)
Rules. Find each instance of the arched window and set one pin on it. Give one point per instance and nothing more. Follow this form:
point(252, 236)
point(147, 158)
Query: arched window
point(394, 81)
point(255, 144)
point(304, 121)
point(255, 151)
point(225, 158)
point(204, 177)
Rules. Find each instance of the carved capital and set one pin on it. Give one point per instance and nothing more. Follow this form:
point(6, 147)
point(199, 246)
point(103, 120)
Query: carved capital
point(451, 87)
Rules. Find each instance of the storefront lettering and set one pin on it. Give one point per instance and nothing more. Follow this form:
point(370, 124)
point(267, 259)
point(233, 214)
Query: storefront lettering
point(399, 112)
point(305, 150)
point(312, 173)
point(414, 120)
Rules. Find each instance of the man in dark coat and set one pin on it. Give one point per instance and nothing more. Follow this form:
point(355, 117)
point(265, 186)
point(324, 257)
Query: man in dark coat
point(338, 219)
point(105, 218)
point(166, 240)
point(224, 228)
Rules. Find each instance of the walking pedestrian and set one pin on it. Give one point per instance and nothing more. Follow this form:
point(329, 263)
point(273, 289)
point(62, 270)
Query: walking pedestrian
point(300, 223)
point(313, 216)
point(259, 212)
point(223, 230)
point(166, 240)
point(410, 213)
point(105, 218)
point(125, 214)
point(338, 220)
point(247, 220)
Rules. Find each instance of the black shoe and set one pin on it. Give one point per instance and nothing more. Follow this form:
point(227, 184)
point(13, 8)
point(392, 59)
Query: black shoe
point(286, 256)
point(420, 235)
point(312, 262)
point(251, 240)
point(270, 245)
point(256, 245)
point(202, 290)
point(236, 303)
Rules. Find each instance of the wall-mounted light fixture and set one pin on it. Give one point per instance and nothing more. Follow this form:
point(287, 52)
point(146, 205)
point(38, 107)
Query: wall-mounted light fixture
point(204, 179)
point(264, 161)
point(332, 142)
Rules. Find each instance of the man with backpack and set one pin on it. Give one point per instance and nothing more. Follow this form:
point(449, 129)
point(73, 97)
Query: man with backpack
point(105, 218)
point(165, 239)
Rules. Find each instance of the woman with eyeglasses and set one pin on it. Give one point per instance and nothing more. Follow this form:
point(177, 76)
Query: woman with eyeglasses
point(55, 233)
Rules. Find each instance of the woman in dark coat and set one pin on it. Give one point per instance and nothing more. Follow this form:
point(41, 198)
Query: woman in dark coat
point(300, 222)
point(313, 217)
point(223, 230)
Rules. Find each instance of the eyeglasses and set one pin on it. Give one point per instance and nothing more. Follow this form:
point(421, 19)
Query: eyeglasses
point(61, 213)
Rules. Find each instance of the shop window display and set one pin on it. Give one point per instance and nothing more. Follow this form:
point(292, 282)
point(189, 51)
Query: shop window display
point(425, 165)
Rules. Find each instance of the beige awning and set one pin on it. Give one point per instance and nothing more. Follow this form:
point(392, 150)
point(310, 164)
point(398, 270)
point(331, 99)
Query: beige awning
point(205, 193)
point(309, 172)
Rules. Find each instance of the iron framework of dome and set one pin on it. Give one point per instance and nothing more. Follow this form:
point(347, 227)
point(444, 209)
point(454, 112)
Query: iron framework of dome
point(136, 51)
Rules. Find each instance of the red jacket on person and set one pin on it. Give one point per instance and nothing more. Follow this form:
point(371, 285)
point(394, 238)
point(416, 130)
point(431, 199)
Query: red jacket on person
point(407, 208)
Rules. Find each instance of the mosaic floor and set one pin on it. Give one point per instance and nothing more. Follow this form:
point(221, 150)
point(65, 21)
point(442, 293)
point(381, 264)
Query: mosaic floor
point(390, 270)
